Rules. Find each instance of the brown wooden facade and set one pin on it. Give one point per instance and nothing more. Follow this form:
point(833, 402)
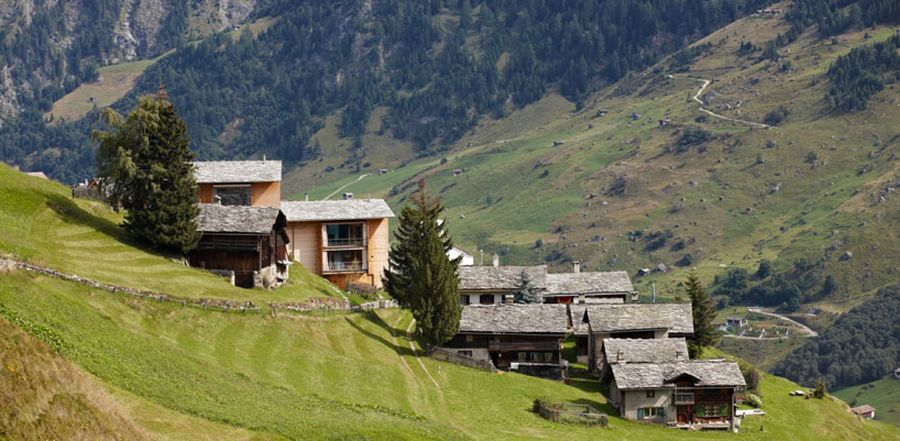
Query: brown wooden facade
point(505, 349)
point(248, 255)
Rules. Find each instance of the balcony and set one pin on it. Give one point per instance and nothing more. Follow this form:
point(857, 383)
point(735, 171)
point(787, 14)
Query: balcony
point(345, 261)
point(345, 242)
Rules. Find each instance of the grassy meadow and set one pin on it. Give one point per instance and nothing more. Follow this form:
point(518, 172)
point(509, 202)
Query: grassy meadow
point(41, 223)
point(881, 394)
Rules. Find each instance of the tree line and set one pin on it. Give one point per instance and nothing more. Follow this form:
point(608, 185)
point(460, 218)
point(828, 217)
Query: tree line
point(858, 75)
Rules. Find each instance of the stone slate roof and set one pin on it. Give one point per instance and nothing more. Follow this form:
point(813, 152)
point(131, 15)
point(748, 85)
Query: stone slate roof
point(676, 317)
point(611, 282)
point(865, 408)
point(215, 218)
point(658, 375)
point(348, 209)
point(515, 319)
point(645, 350)
point(500, 277)
point(237, 172)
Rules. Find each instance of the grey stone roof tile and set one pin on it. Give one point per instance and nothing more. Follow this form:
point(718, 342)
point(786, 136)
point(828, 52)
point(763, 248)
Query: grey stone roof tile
point(657, 375)
point(349, 209)
point(515, 319)
point(645, 350)
point(216, 218)
point(237, 172)
point(676, 317)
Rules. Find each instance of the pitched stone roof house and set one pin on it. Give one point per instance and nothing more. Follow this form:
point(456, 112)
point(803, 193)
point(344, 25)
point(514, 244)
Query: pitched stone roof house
point(642, 350)
point(248, 243)
point(696, 394)
point(255, 183)
point(865, 411)
point(594, 323)
point(524, 338)
point(346, 241)
point(495, 284)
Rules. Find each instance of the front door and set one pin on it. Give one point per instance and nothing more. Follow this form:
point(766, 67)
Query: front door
point(685, 414)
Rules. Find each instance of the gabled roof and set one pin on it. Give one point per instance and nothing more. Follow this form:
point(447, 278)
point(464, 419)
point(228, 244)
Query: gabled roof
point(500, 277)
point(215, 218)
point(346, 209)
point(656, 375)
point(676, 317)
point(612, 282)
point(515, 319)
point(237, 172)
point(645, 350)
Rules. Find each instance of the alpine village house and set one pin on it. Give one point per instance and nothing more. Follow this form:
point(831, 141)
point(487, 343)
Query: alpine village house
point(251, 235)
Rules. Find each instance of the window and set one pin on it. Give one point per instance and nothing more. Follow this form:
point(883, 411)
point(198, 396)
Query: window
point(470, 338)
point(486, 299)
point(345, 235)
point(522, 357)
point(651, 393)
point(649, 413)
point(347, 260)
point(465, 353)
point(464, 299)
point(232, 194)
point(548, 357)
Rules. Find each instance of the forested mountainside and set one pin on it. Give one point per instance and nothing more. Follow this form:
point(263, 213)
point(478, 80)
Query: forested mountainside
point(860, 347)
point(438, 66)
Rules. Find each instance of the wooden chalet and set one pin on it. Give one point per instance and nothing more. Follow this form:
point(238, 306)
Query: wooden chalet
point(250, 183)
point(345, 241)
point(589, 287)
point(697, 394)
point(523, 338)
point(641, 350)
point(492, 285)
point(247, 243)
point(865, 411)
point(593, 323)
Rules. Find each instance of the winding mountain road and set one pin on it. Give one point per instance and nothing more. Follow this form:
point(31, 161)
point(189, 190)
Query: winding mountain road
point(809, 332)
point(696, 98)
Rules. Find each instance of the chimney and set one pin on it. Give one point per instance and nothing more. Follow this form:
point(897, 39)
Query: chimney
point(217, 199)
point(576, 266)
point(264, 158)
point(620, 356)
point(306, 196)
point(496, 259)
point(348, 196)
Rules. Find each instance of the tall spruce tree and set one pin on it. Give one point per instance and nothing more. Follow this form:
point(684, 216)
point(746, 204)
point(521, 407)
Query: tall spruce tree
point(422, 277)
point(527, 291)
point(145, 163)
point(705, 333)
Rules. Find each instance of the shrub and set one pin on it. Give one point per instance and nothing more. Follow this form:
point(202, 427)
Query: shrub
point(777, 116)
point(753, 400)
point(690, 137)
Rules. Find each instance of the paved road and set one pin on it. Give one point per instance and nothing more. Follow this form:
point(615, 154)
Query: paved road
point(710, 112)
point(809, 332)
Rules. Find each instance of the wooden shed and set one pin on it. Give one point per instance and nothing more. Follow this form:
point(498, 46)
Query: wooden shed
point(249, 241)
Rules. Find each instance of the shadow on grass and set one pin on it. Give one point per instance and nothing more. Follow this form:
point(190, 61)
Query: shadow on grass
point(399, 349)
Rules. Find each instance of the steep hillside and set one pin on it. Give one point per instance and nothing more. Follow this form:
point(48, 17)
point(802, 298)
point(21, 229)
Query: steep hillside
point(881, 394)
point(433, 69)
point(42, 224)
point(814, 195)
point(306, 376)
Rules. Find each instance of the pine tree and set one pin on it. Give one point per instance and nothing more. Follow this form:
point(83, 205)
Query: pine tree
point(526, 291)
point(705, 333)
point(422, 277)
point(145, 162)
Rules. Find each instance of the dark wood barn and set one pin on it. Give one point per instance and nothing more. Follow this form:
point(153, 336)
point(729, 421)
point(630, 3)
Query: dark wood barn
point(251, 242)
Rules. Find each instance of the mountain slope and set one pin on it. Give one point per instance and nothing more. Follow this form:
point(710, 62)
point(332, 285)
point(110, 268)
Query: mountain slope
point(623, 191)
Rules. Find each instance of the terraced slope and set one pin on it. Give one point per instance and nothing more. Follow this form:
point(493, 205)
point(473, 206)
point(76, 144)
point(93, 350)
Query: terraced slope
point(41, 223)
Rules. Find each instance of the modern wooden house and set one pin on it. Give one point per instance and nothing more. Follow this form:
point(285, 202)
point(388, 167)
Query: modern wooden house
point(485, 285)
point(523, 338)
point(345, 241)
point(593, 323)
point(697, 394)
point(247, 243)
point(251, 183)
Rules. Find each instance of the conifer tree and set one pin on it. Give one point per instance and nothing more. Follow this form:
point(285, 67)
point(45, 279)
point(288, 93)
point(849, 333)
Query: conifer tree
point(422, 277)
point(527, 292)
point(705, 333)
point(145, 163)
